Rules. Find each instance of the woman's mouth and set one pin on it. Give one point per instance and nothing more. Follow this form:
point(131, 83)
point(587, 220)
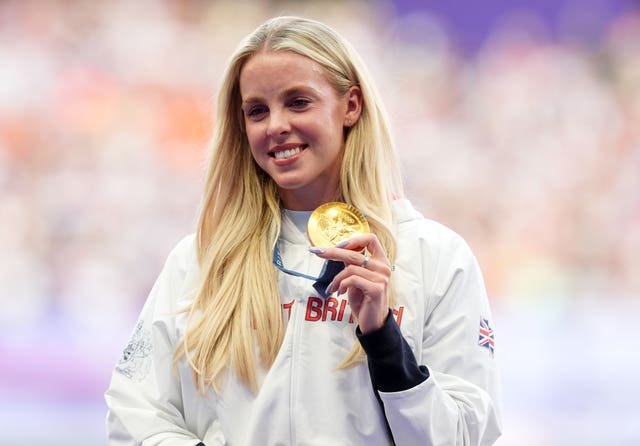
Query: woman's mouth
point(287, 153)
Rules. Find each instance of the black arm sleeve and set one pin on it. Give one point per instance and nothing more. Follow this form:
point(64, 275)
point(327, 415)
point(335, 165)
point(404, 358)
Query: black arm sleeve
point(392, 364)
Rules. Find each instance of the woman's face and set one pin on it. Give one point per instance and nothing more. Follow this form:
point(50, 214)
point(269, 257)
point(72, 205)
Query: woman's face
point(295, 122)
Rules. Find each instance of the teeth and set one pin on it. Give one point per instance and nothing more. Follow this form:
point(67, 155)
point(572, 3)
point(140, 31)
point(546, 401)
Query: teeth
point(287, 153)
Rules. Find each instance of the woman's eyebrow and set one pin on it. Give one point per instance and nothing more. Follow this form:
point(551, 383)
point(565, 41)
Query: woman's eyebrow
point(298, 89)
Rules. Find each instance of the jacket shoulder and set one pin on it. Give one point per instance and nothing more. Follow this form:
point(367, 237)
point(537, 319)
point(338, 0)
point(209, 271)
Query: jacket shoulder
point(183, 254)
point(177, 282)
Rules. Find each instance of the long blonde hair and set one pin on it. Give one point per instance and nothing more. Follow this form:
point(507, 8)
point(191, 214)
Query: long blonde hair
point(237, 308)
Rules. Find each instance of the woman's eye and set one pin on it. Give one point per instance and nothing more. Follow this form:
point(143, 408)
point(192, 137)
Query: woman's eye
point(256, 111)
point(300, 103)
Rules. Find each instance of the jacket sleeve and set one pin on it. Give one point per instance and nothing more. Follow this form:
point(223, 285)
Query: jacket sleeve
point(146, 398)
point(451, 395)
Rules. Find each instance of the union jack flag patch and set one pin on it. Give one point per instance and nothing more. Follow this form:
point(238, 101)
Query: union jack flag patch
point(486, 335)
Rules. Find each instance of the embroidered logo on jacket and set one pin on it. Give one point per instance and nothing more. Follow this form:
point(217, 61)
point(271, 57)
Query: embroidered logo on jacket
point(486, 335)
point(135, 362)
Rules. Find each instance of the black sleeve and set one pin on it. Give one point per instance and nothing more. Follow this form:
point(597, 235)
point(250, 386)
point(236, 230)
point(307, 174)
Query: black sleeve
point(392, 364)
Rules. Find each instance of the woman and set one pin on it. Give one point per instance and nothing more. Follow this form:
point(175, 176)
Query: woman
point(241, 341)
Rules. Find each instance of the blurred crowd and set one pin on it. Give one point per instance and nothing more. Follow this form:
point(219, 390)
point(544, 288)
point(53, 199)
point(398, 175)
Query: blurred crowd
point(529, 147)
point(532, 151)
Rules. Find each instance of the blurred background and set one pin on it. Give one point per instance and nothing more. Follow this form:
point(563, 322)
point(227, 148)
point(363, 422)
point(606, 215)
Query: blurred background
point(517, 123)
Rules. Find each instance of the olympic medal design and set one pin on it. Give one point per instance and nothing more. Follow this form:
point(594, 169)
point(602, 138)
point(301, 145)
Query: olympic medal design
point(334, 222)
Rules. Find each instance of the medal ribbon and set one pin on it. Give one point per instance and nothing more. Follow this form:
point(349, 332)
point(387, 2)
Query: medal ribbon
point(329, 270)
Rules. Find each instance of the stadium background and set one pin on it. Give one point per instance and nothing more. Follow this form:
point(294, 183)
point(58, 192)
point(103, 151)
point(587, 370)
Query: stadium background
point(517, 124)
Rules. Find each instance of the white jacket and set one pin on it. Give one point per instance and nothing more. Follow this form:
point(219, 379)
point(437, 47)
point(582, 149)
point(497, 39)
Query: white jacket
point(304, 399)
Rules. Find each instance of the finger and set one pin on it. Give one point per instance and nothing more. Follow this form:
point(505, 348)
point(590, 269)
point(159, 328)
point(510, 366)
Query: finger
point(363, 261)
point(368, 287)
point(349, 250)
point(381, 276)
point(372, 264)
point(369, 242)
point(347, 256)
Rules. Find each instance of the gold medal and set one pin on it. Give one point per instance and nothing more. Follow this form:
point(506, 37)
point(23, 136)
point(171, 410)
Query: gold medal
point(334, 222)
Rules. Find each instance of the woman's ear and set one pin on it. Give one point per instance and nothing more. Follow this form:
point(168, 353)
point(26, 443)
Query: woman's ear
point(354, 106)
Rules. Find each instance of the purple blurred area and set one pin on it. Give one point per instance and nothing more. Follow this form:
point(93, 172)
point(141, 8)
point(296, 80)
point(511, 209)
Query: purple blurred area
point(516, 124)
point(472, 25)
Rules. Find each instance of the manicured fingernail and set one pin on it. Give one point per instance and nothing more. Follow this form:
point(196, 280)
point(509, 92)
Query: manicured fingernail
point(316, 250)
point(327, 291)
point(342, 244)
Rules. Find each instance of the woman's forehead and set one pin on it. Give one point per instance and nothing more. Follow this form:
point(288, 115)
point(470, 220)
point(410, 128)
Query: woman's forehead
point(280, 70)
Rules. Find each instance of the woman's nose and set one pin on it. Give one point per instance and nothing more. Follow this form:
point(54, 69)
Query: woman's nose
point(278, 123)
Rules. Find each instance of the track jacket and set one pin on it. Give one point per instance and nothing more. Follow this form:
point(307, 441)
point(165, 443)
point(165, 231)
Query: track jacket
point(430, 377)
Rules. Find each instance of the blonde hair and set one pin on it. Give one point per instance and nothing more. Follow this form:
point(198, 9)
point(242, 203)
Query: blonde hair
point(237, 308)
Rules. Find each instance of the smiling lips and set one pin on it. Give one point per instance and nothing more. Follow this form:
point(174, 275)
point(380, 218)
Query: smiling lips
point(287, 151)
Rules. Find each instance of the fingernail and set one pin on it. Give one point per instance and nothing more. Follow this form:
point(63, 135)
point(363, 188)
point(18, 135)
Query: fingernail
point(342, 244)
point(316, 250)
point(327, 291)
